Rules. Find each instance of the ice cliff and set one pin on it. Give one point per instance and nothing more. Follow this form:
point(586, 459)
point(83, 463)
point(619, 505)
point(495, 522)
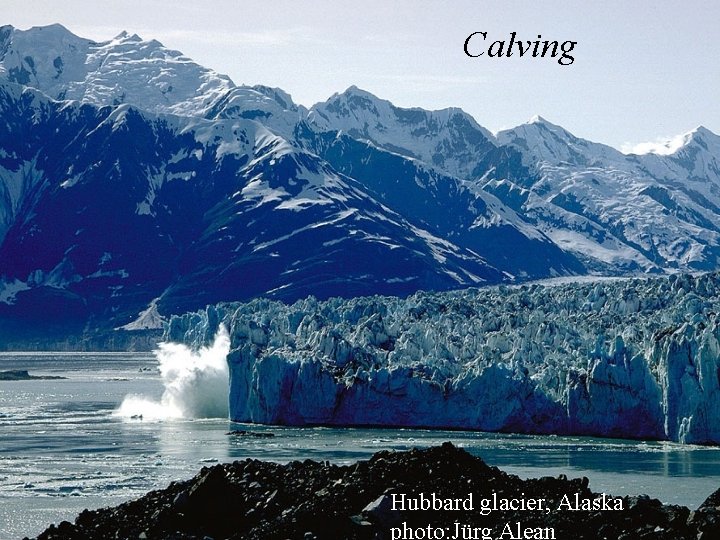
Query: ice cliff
point(621, 358)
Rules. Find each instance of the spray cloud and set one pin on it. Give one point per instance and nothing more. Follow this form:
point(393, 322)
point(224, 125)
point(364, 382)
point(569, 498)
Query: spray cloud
point(196, 383)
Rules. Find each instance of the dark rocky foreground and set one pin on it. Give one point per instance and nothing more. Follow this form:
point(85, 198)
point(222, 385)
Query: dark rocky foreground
point(309, 500)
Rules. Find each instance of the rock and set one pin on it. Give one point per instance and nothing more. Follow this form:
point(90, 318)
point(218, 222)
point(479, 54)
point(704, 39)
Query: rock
point(24, 375)
point(311, 500)
point(181, 502)
point(381, 513)
point(713, 501)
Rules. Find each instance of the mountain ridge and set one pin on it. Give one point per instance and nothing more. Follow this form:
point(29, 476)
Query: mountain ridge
point(185, 190)
point(8, 30)
point(256, 195)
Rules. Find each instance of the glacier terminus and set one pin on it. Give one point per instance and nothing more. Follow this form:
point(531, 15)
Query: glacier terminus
point(630, 358)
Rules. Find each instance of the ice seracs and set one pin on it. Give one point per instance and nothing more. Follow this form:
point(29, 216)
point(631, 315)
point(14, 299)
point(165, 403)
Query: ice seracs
point(628, 358)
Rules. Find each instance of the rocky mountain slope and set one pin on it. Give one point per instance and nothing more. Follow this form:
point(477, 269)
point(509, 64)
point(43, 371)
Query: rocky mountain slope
point(617, 213)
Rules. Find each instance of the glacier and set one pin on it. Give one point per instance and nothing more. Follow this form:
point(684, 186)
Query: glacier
point(628, 358)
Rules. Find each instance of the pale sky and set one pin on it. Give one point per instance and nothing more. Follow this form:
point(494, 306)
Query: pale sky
point(643, 70)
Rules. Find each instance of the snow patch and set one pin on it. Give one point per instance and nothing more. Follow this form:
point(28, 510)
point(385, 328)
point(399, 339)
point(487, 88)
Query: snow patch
point(148, 319)
point(8, 290)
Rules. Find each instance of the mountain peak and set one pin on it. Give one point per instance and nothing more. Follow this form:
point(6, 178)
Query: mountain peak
point(537, 119)
point(541, 122)
point(448, 139)
point(50, 28)
point(703, 137)
point(358, 96)
point(703, 133)
point(44, 34)
point(355, 90)
point(125, 36)
point(536, 127)
point(542, 141)
point(67, 67)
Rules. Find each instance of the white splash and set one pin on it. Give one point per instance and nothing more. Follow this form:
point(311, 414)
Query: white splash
point(196, 383)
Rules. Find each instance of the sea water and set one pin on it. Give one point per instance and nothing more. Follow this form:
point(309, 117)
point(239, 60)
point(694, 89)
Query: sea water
point(120, 425)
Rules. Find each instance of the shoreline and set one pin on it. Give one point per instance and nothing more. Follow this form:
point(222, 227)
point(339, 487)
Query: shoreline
point(254, 499)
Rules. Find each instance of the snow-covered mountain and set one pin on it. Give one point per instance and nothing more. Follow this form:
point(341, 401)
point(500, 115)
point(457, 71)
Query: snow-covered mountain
point(449, 139)
point(130, 70)
point(133, 180)
point(619, 212)
point(113, 210)
point(632, 358)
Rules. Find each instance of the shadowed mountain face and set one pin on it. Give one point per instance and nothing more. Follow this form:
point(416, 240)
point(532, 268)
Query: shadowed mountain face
point(112, 209)
point(132, 178)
